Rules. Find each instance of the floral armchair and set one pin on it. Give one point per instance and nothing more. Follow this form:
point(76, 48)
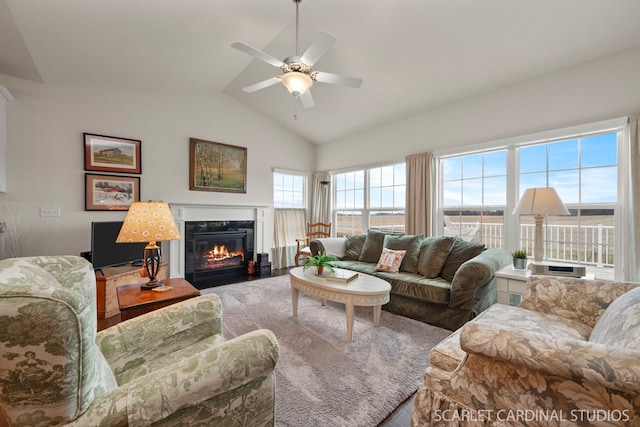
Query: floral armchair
point(569, 355)
point(170, 367)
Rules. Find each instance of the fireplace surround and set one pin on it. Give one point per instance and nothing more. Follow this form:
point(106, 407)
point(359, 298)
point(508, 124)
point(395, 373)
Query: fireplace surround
point(229, 223)
point(217, 252)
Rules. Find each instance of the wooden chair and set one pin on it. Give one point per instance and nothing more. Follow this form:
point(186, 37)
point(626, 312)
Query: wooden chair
point(318, 229)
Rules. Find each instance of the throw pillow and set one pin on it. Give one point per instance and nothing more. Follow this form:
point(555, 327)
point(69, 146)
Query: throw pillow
point(372, 247)
point(433, 253)
point(461, 252)
point(619, 325)
point(409, 243)
point(390, 260)
point(355, 242)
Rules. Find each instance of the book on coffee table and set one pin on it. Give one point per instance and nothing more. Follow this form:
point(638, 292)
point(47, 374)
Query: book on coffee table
point(342, 276)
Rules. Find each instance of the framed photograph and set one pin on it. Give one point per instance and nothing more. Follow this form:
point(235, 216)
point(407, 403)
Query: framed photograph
point(110, 192)
point(111, 154)
point(217, 167)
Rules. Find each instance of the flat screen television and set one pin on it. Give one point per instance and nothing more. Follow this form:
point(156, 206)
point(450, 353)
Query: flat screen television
point(105, 252)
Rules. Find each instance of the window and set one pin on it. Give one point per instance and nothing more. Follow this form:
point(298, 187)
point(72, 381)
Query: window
point(370, 199)
point(474, 196)
point(289, 190)
point(479, 190)
point(584, 173)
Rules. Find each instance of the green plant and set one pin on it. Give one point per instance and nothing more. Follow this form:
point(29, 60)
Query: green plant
point(320, 260)
point(520, 253)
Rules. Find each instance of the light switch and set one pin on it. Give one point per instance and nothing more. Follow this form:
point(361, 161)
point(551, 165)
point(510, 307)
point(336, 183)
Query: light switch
point(48, 211)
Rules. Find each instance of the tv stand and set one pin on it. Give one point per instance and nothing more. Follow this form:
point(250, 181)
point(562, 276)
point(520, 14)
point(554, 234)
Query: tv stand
point(109, 278)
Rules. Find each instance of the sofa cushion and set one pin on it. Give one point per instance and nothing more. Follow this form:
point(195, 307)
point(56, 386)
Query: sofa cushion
point(355, 242)
point(433, 254)
point(390, 260)
point(372, 248)
point(619, 325)
point(417, 287)
point(409, 243)
point(359, 266)
point(460, 252)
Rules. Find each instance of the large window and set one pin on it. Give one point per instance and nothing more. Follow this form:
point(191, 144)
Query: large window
point(370, 199)
point(584, 172)
point(474, 196)
point(478, 192)
point(288, 190)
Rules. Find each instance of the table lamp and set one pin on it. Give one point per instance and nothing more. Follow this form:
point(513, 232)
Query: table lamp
point(149, 222)
point(539, 202)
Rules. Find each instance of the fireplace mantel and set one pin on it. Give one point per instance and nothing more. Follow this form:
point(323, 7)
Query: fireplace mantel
point(199, 212)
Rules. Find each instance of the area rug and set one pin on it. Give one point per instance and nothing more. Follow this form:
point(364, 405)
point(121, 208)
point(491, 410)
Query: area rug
point(321, 380)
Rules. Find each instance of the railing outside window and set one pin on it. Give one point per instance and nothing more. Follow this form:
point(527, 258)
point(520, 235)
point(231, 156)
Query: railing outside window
point(587, 244)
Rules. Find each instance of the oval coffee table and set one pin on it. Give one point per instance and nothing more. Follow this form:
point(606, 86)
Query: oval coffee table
point(365, 290)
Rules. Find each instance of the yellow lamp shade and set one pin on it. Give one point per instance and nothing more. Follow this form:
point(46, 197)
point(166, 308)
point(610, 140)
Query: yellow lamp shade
point(148, 222)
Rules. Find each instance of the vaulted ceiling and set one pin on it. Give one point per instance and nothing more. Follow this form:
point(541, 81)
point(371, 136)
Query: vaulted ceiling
point(413, 55)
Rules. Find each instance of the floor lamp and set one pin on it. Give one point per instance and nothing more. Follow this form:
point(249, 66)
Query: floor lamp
point(325, 190)
point(540, 202)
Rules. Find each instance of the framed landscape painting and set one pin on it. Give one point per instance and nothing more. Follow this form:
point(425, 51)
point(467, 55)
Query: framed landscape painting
point(217, 167)
point(110, 192)
point(111, 154)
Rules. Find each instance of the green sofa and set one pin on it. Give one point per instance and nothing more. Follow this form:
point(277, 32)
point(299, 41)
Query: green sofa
point(443, 281)
point(169, 367)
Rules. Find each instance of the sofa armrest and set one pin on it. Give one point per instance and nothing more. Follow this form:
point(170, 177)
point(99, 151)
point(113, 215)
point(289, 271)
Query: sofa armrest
point(612, 367)
point(582, 300)
point(335, 246)
point(225, 368)
point(161, 331)
point(473, 274)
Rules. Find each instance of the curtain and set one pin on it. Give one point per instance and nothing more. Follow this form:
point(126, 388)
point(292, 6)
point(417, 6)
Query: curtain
point(632, 260)
point(321, 198)
point(289, 225)
point(418, 210)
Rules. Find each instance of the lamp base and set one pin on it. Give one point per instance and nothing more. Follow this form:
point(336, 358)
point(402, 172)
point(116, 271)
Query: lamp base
point(151, 285)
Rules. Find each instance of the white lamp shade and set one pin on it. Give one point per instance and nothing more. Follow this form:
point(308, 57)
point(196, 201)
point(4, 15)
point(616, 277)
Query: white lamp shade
point(540, 201)
point(296, 82)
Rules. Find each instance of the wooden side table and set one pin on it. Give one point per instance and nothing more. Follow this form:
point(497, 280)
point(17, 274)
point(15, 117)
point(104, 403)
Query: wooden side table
point(109, 278)
point(134, 301)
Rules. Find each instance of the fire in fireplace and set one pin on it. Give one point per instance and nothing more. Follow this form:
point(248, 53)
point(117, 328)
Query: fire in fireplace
point(217, 252)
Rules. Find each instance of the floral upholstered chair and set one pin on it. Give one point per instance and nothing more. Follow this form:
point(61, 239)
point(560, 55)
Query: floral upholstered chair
point(569, 355)
point(170, 367)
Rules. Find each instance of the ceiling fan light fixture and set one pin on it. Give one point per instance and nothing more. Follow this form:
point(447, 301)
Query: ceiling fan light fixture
point(296, 82)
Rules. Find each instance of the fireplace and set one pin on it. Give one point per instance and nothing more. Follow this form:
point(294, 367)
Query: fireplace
point(217, 252)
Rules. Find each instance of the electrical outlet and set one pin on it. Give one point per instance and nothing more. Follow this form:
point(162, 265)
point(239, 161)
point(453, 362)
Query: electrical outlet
point(47, 211)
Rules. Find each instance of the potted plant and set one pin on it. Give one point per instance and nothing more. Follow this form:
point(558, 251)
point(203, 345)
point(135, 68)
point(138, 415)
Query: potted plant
point(320, 261)
point(519, 259)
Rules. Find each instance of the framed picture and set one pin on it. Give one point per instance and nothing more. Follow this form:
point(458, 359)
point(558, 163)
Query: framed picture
point(111, 154)
point(110, 192)
point(217, 167)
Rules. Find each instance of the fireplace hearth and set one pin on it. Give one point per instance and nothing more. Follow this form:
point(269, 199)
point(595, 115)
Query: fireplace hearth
point(217, 252)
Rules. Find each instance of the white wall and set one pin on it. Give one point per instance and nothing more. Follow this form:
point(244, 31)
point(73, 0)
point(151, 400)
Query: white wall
point(602, 89)
point(45, 163)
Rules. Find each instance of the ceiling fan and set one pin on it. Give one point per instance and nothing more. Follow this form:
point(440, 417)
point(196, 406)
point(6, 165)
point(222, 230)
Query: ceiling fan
point(298, 76)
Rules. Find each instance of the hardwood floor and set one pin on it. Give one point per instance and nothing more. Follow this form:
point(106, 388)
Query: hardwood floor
point(401, 417)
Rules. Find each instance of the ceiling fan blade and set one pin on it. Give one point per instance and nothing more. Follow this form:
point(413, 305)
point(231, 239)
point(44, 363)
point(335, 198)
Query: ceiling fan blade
point(336, 79)
point(258, 54)
point(319, 46)
point(306, 99)
point(263, 84)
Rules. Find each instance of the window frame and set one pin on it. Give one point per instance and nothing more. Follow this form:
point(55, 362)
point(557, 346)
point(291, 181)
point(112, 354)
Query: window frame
point(512, 222)
point(305, 188)
point(365, 210)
